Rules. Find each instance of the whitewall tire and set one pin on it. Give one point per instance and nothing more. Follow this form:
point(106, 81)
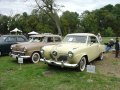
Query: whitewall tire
point(82, 64)
point(35, 58)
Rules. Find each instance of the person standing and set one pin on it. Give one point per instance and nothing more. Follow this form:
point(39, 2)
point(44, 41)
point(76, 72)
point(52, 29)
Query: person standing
point(117, 48)
point(99, 37)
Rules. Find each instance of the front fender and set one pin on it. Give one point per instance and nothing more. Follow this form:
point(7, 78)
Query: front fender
point(78, 57)
point(47, 51)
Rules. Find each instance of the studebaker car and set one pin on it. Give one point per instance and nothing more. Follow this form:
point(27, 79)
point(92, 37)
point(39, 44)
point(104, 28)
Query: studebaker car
point(75, 51)
point(31, 50)
point(7, 40)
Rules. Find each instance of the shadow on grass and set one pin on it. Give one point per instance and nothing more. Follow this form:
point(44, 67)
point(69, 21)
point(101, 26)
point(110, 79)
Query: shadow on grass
point(63, 69)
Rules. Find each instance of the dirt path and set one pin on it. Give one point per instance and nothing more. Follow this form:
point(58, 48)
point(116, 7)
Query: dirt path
point(109, 66)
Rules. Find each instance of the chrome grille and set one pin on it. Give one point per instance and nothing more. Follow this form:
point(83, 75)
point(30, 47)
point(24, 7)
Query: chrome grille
point(18, 53)
point(62, 58)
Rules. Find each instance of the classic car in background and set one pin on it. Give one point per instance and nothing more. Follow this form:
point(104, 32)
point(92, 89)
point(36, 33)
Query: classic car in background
point(31, 50)
point(7, 40)
point(75, 51)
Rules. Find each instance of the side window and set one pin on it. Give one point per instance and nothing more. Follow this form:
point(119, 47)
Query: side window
point(10, 39)
point(57, 39)
point(20, 39)
point(50, 39)
point(92, 39)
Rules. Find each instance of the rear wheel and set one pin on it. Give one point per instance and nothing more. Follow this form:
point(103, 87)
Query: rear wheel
point(82, 64)
point(35, 57)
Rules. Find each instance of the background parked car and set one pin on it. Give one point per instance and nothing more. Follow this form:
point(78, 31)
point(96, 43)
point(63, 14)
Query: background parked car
point(75, 51)
point(31, 50)
point(7, 40)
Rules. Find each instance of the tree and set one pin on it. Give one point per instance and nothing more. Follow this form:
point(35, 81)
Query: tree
point(70, 22)
point(50, 8)
point(89, 22)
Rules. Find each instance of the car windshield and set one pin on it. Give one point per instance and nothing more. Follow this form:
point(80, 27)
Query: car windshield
point(2, 38)
point(36, 39)
point(74, 38)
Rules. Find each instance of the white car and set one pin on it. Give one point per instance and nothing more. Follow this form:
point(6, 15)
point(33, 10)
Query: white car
point(75, 51)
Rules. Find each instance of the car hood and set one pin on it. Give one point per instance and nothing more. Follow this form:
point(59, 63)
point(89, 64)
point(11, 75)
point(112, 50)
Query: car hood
point(27, 45)
point(66, 47)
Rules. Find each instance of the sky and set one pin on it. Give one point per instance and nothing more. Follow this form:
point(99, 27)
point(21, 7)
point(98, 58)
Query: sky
point(12, 7)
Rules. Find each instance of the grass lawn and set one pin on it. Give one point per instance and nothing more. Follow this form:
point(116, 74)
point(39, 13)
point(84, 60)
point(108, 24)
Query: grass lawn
point(41, 77)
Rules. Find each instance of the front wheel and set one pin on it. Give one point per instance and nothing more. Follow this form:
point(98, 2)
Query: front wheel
point(35, 57)
point(82, 64)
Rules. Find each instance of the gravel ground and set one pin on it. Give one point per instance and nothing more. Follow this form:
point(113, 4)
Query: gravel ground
point(109, 65)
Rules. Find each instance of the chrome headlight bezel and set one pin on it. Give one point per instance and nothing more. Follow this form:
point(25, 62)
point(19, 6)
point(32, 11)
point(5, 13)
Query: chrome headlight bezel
point(42, 51)
point(70, 54)
point(11, 47)
point(54, 53)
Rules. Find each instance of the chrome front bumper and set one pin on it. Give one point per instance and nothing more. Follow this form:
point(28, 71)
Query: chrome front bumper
point(19, 56)
point(62, 63)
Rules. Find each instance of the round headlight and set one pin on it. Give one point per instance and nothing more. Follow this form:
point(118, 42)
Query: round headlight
point(42, 51)
point(54, 53)
point(70, 54)
point(11, 47)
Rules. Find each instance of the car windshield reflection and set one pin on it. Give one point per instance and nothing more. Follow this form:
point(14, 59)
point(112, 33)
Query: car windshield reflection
point(75, 39)
point(2, 38)
point(36, 39)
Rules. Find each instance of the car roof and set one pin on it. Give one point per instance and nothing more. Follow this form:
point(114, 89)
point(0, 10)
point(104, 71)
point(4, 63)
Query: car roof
point(45, 35)
point(82, 34)
point(12, 35)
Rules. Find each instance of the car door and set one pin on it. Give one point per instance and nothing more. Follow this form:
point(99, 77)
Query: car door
point(8, 42)
point(93, 47)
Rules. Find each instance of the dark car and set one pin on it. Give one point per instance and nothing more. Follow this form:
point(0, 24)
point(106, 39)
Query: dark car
point(7, 40)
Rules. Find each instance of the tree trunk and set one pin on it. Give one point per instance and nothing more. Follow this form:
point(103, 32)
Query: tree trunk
point(57, 22)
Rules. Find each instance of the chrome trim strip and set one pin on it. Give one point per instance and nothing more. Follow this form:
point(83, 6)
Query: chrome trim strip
point(18, 51)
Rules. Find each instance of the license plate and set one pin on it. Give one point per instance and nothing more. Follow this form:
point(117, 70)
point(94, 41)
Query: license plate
point(20, 60)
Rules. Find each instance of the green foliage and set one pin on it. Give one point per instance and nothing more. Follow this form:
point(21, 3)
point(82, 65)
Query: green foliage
point(105, 20)
point(70, 22)
point(108, 32)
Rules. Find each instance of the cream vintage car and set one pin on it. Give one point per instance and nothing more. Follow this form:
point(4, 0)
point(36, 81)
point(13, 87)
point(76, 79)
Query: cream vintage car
point(75, 51)
point(31, 50)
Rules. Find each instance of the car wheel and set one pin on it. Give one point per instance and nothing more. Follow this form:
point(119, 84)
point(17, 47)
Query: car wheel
point(100, 56)
point(35, 57)
point(82, 64)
